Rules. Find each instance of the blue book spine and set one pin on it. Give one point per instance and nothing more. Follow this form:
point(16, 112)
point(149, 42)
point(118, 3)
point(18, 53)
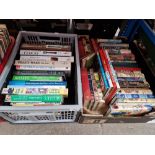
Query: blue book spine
point(35, 83)
point(134, 96)
point(102, 72)
point(130, 79)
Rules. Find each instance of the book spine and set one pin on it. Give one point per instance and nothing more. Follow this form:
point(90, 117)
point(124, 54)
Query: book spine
point(112, 69)
point(112, 41)
point(105, 68)
point(135, 103)
point(127, 68)
point(135, 96)
point(19, 104)
point(114, 45)
point(42, 68)
point(37, 78)
point(118, 51)
point(43, 63)
point(97, 91)
point(130, 110)
point(45, 53)
point(134, 91)
point(85, 88)
point(34, 98)
point(124, 64)
point(134, 84)
point(135, 74)
point(35, 83)
point(131, 79)
point(112, 75)
point(39, 73)
point(92, 102)
point(35, 91)
point(132, 100)
point(46, 47)
point(123, 57)
point(46, 58)
point(37, 86)
point(102, 72)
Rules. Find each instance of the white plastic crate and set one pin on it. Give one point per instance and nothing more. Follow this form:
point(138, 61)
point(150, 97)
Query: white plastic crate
point(45, 114)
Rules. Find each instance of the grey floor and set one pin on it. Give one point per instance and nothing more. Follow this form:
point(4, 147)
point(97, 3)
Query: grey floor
point(76, 129)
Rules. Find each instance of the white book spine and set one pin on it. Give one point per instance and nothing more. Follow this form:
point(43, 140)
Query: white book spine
point(46, 53)
point(46, 58)
point(47, 68)
point(43, 63)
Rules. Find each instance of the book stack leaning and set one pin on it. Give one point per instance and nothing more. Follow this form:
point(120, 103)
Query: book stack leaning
point(40, 76)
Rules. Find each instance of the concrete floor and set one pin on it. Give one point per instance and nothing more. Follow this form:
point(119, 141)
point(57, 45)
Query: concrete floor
point(76, 129)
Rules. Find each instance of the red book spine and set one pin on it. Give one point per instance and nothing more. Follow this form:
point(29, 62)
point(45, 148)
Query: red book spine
point(85, 86)
point(81, 49)
point(7, 54)
point(127, 69)
point(94, 45)
point(114, 90)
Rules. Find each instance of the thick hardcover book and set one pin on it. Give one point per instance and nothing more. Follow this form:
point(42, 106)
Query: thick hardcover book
point(46, 58)
point(42, 68)
point(112, 76)
point(35, 83)
point(35, 91)
point(37, 78)
point(102, 72)
point(34, 98)
point(107, 71)
point(85, 87)
point(45, 53)
point(135, 91)
point(102, 56)
point(46, 47)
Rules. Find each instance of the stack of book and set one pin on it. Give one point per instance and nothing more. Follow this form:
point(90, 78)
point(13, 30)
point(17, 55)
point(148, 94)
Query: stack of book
point(40, 76)
point(99, 82)
point(4, 41)
point(134, 97)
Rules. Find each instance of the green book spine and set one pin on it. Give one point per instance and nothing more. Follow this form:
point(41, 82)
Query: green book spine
point(34, 98)
point(37, 78)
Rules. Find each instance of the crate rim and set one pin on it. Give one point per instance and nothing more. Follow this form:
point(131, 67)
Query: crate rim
point(47, 33)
